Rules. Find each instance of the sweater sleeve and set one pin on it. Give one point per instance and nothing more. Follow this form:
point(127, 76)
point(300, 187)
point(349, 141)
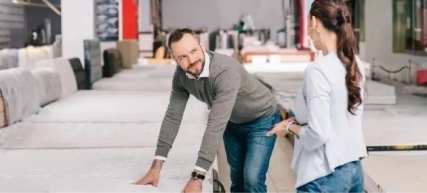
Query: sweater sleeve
point(173, 117)
point(317, 96)
point(226, 88)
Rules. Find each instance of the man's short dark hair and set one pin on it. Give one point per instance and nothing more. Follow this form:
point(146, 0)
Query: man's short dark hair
point(177, 35)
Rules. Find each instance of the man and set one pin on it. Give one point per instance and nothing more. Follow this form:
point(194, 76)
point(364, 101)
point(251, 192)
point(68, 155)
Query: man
point(242, 111)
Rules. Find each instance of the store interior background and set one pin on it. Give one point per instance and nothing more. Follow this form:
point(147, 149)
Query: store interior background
point(380, 40)
point(114, 75)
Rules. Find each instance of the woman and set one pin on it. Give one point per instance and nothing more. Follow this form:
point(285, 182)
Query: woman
point(328, 109)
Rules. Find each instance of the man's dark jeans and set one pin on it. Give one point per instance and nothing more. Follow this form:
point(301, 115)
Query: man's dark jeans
point(248, 152)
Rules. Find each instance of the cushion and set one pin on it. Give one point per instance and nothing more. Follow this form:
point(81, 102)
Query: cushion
point(112, 62)
point(79, 73)
point(130, 52)
point(49, 85)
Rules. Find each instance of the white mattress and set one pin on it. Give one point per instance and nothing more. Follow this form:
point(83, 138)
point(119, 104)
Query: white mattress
point(94, 135)
point(114, 107)
point(92, 170)
point(8, 59)
point(139, 78)
point(405, 172)
point(382, 130)
point(30, 55)
point(63, 67)
point(49, 85)
point(132, 84)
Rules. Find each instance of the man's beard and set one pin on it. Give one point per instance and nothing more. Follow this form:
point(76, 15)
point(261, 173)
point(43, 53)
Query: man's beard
point(201, 69)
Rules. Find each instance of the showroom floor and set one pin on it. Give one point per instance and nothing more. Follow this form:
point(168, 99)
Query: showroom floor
point(104, 139)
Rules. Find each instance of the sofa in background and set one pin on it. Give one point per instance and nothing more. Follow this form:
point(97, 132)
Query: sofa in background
point(92, 57)
point(79, 73)
point(113, 62)
point(130, 52)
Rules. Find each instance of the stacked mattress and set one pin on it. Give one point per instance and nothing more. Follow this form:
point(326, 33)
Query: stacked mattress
point(135, 79)
point(19, 92)
point(93, 59)
point(28, 56)
point(49, 85)
point(8, 59)
point(63, 67)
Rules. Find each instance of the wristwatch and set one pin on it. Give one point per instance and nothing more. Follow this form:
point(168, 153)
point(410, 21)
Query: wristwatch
point(289, 126)
point(196, 176)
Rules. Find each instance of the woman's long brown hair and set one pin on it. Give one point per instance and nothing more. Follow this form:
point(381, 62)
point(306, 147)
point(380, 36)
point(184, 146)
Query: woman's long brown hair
point(335, 16)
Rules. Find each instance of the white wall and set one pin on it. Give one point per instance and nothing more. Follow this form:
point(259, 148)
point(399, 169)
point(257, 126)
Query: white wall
point(379, 38)
point(78, 23)
point(144, 17)
point(215, 14)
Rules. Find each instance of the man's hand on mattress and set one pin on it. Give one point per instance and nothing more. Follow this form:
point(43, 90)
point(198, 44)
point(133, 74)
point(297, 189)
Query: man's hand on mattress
point(151, 178)
point(193, 186)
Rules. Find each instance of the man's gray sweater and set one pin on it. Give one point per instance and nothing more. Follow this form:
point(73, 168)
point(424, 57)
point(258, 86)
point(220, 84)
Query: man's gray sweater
point(231, 93)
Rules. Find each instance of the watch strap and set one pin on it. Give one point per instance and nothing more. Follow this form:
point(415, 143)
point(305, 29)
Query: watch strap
point(196, 176)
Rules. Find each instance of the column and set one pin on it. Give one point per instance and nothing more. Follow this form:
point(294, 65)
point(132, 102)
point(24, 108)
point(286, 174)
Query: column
point(78, 23)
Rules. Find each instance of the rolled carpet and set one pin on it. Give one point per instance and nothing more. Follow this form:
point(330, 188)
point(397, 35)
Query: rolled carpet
point(19, 91)
point(63, 67)
point(49, 85)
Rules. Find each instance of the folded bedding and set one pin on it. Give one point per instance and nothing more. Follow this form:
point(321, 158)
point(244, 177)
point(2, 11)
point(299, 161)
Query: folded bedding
point(49, 85)
point(79, 73)
point(20, 95)
point(63, 67)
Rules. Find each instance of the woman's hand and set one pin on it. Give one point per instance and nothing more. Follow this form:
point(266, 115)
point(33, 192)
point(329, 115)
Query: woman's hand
point(280, 128)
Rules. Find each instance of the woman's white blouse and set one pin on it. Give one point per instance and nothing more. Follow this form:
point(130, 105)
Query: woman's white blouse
point(330, 135)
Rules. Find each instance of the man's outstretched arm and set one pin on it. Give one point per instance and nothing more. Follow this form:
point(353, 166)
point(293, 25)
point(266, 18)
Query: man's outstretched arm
point(172, 119)
point(168, 130)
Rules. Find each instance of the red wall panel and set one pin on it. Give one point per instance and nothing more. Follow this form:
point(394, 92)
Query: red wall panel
point(130, 19)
